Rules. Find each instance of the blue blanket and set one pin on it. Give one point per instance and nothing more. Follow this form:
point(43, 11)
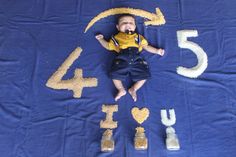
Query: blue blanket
point(36, 37)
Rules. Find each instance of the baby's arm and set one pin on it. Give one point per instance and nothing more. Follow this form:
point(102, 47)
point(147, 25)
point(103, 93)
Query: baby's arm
point(102, 41)
point(154, 50)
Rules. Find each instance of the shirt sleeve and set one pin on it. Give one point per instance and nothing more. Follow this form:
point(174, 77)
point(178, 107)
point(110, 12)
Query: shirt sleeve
point(144, 42)
point(112, 46)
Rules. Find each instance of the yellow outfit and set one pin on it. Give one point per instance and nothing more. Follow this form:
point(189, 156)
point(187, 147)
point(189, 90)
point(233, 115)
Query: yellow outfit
point(127, 40)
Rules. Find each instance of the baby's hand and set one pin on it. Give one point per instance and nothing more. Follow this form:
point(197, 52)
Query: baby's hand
point(161, 52)
point(99, 36)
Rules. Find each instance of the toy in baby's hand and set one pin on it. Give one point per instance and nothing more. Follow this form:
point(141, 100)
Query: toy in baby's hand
point(128, 44)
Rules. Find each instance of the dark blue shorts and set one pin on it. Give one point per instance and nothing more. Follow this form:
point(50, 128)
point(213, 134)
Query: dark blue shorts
point(130, 64)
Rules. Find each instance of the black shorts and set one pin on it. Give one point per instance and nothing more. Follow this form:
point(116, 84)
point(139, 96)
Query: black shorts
point(133, 66)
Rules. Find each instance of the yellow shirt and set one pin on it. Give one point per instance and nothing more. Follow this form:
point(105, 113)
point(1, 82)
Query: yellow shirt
point(127, 40)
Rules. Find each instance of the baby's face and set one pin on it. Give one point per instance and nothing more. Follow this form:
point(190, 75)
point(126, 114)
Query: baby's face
point(126, 23)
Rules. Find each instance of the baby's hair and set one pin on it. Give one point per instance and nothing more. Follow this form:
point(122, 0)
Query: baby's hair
point(123, 15)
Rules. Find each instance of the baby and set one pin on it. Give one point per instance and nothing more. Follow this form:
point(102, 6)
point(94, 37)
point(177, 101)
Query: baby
point(127, 44)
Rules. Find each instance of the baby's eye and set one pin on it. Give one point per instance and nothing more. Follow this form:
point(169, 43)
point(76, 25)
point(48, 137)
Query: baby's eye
point(125, 23)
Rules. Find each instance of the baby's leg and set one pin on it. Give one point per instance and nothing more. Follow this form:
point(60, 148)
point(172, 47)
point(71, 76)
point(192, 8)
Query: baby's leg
point(121, 90)
point(135, 88)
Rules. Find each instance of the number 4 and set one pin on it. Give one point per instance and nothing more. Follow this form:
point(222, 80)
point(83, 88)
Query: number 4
point(197, 70)
point(77, 83)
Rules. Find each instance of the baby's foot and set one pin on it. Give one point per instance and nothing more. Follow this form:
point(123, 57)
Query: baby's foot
point(121, 92)
point(132, 92)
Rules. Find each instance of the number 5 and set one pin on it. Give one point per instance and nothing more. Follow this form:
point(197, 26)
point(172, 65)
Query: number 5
point(197, 70)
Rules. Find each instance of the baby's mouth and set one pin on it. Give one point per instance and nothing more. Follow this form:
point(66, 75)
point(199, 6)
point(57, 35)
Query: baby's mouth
point(127, 31)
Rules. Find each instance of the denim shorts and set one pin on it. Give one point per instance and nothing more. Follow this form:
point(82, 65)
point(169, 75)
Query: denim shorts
point(129, 63)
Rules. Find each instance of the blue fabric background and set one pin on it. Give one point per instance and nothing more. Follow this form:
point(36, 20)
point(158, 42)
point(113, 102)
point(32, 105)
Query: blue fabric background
point(36, 36)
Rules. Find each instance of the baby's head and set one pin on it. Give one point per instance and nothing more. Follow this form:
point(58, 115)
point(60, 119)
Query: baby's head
point(126, 23)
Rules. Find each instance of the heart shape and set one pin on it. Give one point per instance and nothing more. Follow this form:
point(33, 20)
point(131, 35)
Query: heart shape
point(140, 115)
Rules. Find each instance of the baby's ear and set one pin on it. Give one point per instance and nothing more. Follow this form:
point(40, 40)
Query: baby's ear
point(117, 26)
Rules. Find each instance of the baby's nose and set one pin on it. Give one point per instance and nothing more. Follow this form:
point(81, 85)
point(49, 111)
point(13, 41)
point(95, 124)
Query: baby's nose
point(128, 26)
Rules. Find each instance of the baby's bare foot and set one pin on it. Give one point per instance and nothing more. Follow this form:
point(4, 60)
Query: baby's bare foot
point(120, 93)
point(132, 92)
